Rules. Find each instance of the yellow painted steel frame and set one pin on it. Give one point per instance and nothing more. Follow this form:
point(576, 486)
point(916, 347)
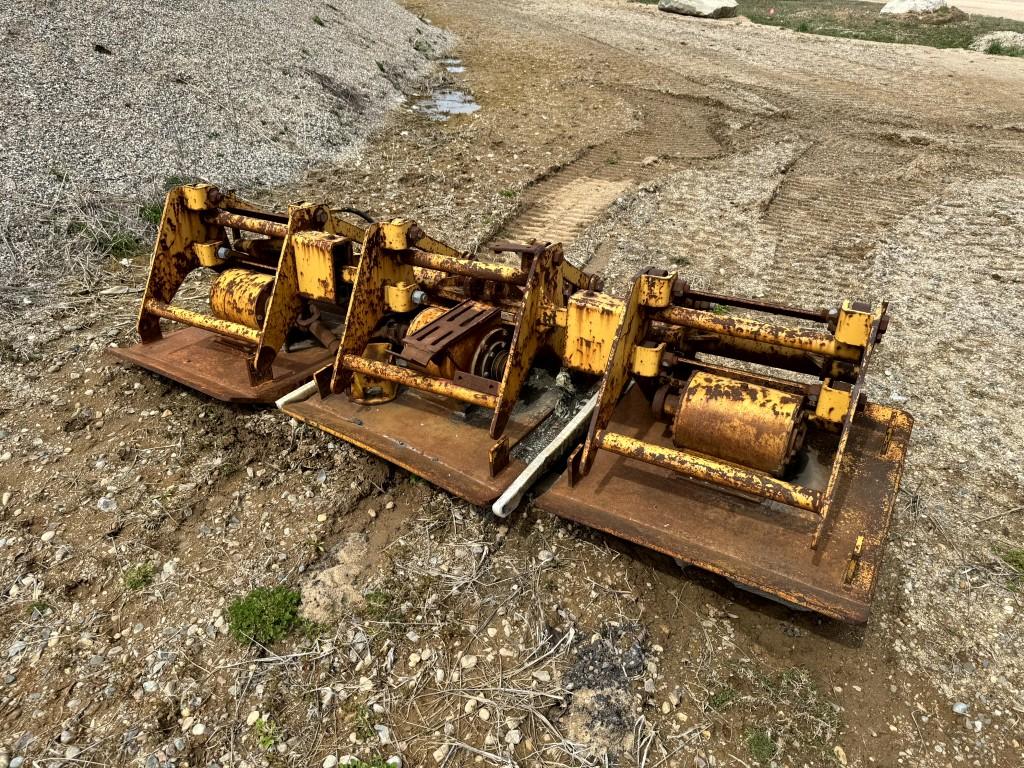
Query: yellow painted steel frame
point(285, 302)
point(387, 263)
point(648, 291)
point(543, 296)
point(192, 227)
point(648, 300)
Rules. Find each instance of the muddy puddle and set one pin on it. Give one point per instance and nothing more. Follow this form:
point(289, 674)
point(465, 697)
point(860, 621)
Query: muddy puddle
point(447, 100)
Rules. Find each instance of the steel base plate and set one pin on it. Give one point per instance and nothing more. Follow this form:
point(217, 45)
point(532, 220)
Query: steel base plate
point(216, 366)
point(430, 436)
point(761, 545)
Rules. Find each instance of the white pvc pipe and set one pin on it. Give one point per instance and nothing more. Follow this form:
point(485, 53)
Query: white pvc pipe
point(511, 498)
point(304, 392)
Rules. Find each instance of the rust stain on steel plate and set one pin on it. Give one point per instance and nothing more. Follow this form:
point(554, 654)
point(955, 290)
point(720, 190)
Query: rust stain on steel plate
point(758, 544)
point(217, 367)
point(428, 436)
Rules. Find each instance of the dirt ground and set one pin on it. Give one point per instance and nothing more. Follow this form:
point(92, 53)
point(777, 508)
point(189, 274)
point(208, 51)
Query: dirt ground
point(752, 159)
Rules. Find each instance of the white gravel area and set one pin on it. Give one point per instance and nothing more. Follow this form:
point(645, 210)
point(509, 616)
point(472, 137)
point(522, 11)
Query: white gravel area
point(115, 97)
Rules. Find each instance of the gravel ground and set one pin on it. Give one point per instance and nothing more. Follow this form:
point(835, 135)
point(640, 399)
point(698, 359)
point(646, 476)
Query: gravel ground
point(134, 513)
point(103, 99)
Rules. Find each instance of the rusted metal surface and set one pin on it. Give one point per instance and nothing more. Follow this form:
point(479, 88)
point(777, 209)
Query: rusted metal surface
point(366, 390)
point(747, 424)
point(425, 343)
point(755, 543)
point(816, 342)
point(226, 328)
point(285, 303)
point(713, 471)
point(419, 381)
point(173, 257)
point(463, 267)
point(216, 366)
point(320, 259)
point(543, 291)
point(430, 436)
point(241, 296)
point(829, 500)
point(617, 375)
point(377, 267)
point(757, 305)
point(260, 226)
point(590, 323)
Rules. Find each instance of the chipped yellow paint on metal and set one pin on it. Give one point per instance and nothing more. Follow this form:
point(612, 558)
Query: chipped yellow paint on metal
point(647, 360)
point(399, 297)
point(200, 197)
point(367, 390)
point(656, 290)
point(241, 296)
point(853, 326)
point(206, 253)
point(398, 234)
point(590, 323)
point(739, 422)
point(237, 331)
point(815, 342)
point(833, 403)
point(408, 378)
point(316, 263)
point(711, 470)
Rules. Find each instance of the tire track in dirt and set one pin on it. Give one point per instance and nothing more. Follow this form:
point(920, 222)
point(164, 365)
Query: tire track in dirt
point(826, 226)
point(670, 131)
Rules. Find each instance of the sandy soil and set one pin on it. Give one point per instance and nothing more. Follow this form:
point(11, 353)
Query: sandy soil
point(757, 160)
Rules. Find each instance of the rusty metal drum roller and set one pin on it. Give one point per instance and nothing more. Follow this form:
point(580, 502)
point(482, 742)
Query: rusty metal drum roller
point(739, 422)
point(241, 296)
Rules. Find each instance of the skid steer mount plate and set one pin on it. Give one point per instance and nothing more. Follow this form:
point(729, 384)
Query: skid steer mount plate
point(217, 367)
point(760, 545)
point(430, 436)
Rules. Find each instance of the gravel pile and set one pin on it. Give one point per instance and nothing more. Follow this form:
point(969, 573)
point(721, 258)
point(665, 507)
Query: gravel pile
point(1012, 41)
point(115, 98)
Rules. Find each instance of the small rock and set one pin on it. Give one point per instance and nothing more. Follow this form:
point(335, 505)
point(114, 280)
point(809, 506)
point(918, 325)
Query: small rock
point(198, 730)
point(467, 662)
point(707, 9)
point(330, 761)
point(542, 676)
point(394, 761)
point(840, 754)
point(48, 535)
point(484, 714)
point(439, 754)
point(252, 718)
point(545, 555)
point(6, 498)
point(513, 737)
point(960, 708)
point(383, 733)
